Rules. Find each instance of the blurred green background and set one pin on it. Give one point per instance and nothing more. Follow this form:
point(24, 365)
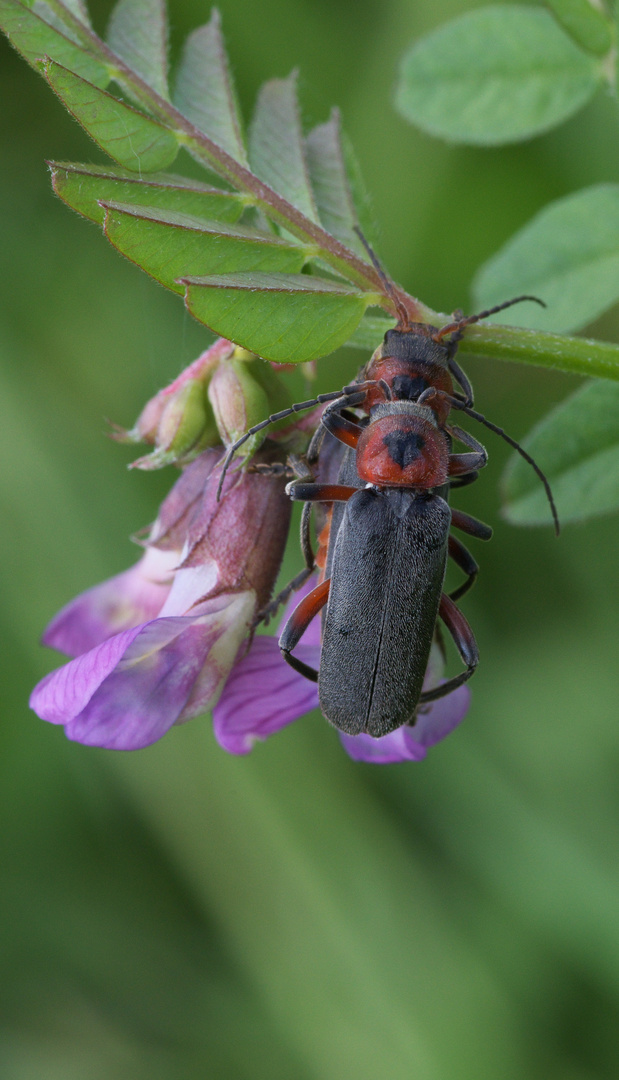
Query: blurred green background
point(178, 913)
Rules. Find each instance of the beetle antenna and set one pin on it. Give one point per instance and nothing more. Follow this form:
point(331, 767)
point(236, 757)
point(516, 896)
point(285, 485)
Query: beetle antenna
point(459, 324)
point(388, 284)
point(523, 453)
point(354, 394)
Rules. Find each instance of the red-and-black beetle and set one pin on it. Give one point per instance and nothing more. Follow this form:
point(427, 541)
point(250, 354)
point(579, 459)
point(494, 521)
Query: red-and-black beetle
point(385, 548)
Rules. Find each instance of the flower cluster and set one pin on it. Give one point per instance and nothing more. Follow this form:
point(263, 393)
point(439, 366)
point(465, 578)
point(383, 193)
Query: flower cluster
point(172, 637)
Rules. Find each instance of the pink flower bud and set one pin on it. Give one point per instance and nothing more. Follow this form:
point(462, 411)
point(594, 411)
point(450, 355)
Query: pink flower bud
point(244, 391)
point(179, 421)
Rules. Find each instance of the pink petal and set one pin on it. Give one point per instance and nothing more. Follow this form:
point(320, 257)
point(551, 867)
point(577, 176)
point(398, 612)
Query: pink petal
point(63, 693)
point(124, 601)
point(129, 691)
point(411, 743)
point(143, 697)
point(262, 695)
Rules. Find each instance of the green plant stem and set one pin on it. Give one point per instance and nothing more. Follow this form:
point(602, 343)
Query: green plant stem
point(579, 356)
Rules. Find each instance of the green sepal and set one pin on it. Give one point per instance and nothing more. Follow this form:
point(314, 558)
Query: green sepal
point(187, 427)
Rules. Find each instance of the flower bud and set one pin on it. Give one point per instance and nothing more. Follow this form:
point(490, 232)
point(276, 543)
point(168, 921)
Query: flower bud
point(179, 420)
point(243, 391)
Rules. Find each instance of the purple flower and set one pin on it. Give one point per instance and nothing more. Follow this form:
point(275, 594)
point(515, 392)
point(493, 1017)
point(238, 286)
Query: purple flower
point(264, 694)
point(154, 646)
point(165, 640)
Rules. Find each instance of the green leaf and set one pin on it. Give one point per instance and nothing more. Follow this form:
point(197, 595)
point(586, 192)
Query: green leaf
point(577, 445)
point(83, 187)
point(568, 255)
point(495, 75)
point(75, 7)
point(36, 38)
point(130, 138)
point(360, 194)
point(170, 245)
point(585, 23)
point(276, 147)
point(370, 332)
point(205, 91)
point(282, 317)
point(331, 183)
point(138, 33)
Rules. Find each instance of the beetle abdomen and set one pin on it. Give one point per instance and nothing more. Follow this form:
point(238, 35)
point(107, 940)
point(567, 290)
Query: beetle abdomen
point(387, 575)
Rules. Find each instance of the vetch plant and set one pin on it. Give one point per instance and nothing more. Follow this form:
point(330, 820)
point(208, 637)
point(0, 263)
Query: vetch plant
point(268, 254)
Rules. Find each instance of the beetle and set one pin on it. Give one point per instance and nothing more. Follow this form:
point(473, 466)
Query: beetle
point(386, 554)
point(388, 537)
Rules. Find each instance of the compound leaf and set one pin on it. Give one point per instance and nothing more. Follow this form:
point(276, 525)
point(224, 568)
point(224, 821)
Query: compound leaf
point(495, 75)
point(205, 91)
point(577, 445)
point(130, 138)
point(568, 255)
point(335, 184)
point(171, 245)
point(276, 146)
point(287, 318)
point(35, 38)
point(370, 332)
point(84, 187)
point(138, 34)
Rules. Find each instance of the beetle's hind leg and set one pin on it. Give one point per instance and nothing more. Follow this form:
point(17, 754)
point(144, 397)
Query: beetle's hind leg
point(460, 554)
point(465, 561)
point(465, 643)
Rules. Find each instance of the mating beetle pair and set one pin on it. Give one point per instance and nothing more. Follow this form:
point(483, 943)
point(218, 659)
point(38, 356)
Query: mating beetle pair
point(384, 549)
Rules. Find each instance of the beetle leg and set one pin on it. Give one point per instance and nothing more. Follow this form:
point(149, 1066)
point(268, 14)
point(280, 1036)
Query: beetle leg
point(466, 438)
point(341, 427)
point(300, 491)
point(460, 464)
point(464, 481)
point(298, 623)
point(310, 564)
point(462, 380)
point(278, 468)
point(464, 463)
point(462, 558)
point(315, 446)
point(455, 369)
point(465, 642)
point(267, 612)
point(470, 525)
